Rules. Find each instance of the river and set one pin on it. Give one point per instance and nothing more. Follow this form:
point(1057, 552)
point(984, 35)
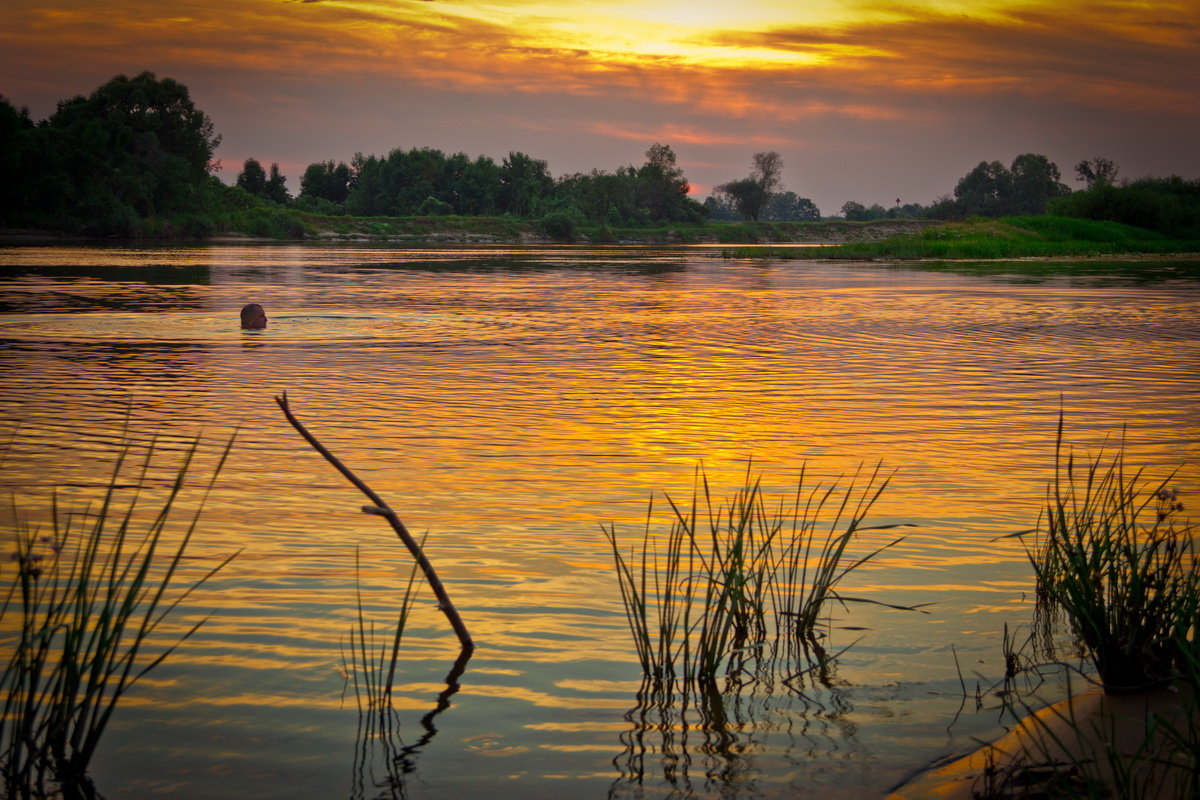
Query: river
point(509, 402)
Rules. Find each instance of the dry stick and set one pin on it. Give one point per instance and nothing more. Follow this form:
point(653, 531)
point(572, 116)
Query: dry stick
point(382, 509)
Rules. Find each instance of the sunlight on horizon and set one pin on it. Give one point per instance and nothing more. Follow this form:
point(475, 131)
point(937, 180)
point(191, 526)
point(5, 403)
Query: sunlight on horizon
point(712, 33)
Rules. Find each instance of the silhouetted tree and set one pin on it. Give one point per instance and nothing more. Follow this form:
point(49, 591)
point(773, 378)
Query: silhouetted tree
point(986, 190)
point(1096, 171)
point(134, 148)
point(661, 188)
point(276, 188)
point(326, 181)
point(252, 178)
point(750, 195)
point(523, 181)
point(788, 207)
point(1035, 180)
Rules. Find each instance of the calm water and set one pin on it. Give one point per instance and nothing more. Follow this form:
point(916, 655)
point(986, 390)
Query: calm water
point(512, 401)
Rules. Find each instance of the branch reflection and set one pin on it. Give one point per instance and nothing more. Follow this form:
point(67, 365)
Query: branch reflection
point(381, 758)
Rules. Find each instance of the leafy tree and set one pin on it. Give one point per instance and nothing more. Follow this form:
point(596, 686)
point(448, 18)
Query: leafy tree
point(719, 205)
point(1035, 180)
point(18, 163)
point(252, 178)
point(661, 189)
point(993, 190)
point(854, 211)
point(523, 182)
point(1096, 171)
point(1168, 205)
point(986, 190)
point(276, 190)
point(479, 187)
point(750, 195)
point(327, 181)
point(788, 207)
point(135, 147)
point(746, 196)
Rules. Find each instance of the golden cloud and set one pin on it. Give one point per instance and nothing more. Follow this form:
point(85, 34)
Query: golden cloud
point(868, 61)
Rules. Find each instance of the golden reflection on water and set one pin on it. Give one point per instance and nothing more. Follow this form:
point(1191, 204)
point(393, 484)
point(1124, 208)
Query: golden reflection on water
point(512, 401)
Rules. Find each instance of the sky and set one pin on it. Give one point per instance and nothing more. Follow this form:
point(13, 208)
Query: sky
point(868, 101)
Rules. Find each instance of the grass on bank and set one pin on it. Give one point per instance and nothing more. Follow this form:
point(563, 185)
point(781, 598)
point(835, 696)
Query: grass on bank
point(1115, 563)
point(1112, 558)
point(1007, 238)
point(83, 604)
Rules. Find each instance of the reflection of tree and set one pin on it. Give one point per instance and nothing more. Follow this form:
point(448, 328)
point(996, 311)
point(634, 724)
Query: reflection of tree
point(688, 740)
point(381, 759)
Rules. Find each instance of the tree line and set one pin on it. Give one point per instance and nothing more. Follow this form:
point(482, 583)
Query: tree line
point(136, 157)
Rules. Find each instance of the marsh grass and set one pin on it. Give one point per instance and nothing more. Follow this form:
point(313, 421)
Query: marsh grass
point(1112, 558)
point(732, 580)
point(1114, 561)
point(1005, 238)
point(370, 662)
point(83, 616)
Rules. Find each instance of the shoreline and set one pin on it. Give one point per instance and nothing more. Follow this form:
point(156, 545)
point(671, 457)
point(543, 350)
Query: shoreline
point(1069, 741)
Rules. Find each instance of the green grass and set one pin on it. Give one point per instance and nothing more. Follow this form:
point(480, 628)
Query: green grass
point(83, 605)
point(731, 580)
point(1112, 558)
point(1008, 238)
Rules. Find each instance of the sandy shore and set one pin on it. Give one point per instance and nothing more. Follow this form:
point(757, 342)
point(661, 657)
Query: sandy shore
point(1073, 741)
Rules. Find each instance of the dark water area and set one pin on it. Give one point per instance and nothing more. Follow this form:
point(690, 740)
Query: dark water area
point(511, 401)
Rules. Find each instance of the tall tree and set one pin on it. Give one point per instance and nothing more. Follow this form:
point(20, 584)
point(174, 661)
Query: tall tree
point(523, 181)
point(1035, 180)
point(252, 178)
point(275, 189)
point(134, 146)
point(986, 190)
point(1097, 171)
point(750, 195)
point(662, 190)
point(768, 171)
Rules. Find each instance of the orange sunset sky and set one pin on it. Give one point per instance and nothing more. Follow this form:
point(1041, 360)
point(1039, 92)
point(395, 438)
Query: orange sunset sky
point(866, 101)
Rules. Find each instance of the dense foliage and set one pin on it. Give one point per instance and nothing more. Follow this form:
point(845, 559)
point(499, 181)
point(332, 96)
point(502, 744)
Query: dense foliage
point(133, 149)
point(1168, 205)
point(425, 181)
point(136, 158)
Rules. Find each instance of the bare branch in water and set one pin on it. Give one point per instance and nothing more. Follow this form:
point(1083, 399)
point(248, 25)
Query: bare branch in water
point(380, 508)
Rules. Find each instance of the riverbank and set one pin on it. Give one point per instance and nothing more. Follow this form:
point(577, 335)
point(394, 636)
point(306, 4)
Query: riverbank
point(978, 240)
point(507, 230)
point(1092, 744)
point(1008, 238)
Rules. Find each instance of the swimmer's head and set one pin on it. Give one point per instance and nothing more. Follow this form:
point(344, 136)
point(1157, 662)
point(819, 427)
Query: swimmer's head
point(253, 317)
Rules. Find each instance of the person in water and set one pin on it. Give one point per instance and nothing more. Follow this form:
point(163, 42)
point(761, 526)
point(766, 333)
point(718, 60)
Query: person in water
point(253, 317)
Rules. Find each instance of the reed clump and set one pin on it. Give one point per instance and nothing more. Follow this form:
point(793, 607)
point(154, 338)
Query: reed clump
point(84, 602)
point(733, 578)
point(1113, 556)
point(1115, 560)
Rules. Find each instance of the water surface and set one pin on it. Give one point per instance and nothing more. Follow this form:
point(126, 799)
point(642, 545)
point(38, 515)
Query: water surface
point(511, 401)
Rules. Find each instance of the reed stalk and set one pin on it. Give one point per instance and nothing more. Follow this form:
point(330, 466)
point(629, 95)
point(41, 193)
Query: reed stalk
point(1113, 557)
point(730, 578)
point(83, 605)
